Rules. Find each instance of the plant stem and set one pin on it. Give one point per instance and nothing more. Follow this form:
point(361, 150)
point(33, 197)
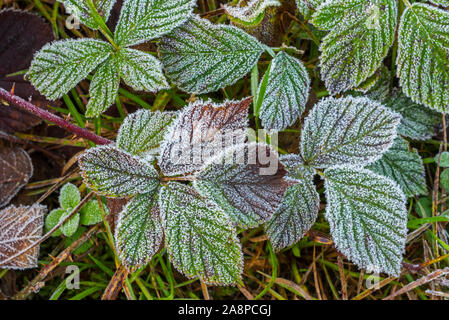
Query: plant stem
point(43, 114)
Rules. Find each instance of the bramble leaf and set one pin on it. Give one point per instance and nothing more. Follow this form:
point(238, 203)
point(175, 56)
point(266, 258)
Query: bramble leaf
point(81, 10)
point(90, 214)
point(143, 20)
point(367, 217)
point(286, 93)
point(59, 66)
point(200, 57)
point(350, 132)
point(69, 228)
point(251, 13)
point(200, 238)
point(423, 51)
point(361, 33)
point(306, 7)
point(116, 173)
point(139, 231)
point(69, 196)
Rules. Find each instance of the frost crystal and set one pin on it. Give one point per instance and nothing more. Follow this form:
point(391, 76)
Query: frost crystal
point(368, 218)
point(306, 7)
point(200, 238)
point(423, 50)
point(202, 57)
point(286, 93)
point(348, 131)
point(116, 173)
point(296, 169)
point(81, 10)
point(251, 13)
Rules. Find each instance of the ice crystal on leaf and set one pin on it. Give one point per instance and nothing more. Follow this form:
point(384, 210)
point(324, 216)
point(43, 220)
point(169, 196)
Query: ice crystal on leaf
point(349, 131)
point(295, 167)
point(423, 51)
point(361, 33)
point(250, 14)
point(367, 217)
point(306, 7)
point(444, 3)
point(81, 10)
point(403, 166)
point(200, 238)
point(202, 57)
point(19, 228)
point(286, 93)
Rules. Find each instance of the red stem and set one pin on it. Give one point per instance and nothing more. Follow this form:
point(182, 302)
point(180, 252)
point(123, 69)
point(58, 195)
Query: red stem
point(43, 114)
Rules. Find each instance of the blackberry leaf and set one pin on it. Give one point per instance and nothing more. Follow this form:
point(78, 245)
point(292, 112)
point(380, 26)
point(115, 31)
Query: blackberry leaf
point(81, 10)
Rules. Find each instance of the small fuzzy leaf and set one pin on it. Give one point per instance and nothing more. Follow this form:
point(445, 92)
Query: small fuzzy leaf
point(139, 231)
point(404, 167)
point(59, 66)
point(141, 70)
point(201, 130)
point(367, 217)
point(295, 167)
point(143, 20)
point(200, 57)
point(286, 92)
point(347, 131)
point(115, 173)
point(200, 238)
point(443, 159)
point(53, 219)
point(361, 33)
point(90, 214)
point(250, 14)
point(69, 196)
point(423, 51)
point(81, 10)
point(444, 179)
point(69, 228)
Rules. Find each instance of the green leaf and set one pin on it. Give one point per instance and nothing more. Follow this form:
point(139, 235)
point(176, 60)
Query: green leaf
point(347, 132)
point(367, 217)
point(403, 166)
point(69, 228)
point(423, 50)
point(444, 3)
point(444, 179)
point(443, 160)
point(250, 14)
point(361, 33)
point(59, 66)
point(69, 196)
point(286, 93)
point(103, 88)
point(80, 9)
point(139, 231)
point(91, 213)
point(202, 57)
point(143, 20)
point(53, 219)
point(141, 70)
point(115, 173)
point(200, 239)
point(306, 7)
point(143, 131)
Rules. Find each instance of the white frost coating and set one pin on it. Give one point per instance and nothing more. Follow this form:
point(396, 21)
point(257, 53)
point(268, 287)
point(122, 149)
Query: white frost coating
point(361, 33)
point(306, 7)
point(349, 131)
point(143, 20)
point(59, 66)
point(423, 51)
point(103, 88)
point(19, 228)
point(286, 93)
point(69, 196)
point(250, 12)
point(367, 217)
point(139, 233)
point(116, 173)
point(444, 3)
point(81, 10)
point(141, 70)
point(200, 131)
point(403, 166)
point(143, 131)
point(200, 239)
point(202, 57)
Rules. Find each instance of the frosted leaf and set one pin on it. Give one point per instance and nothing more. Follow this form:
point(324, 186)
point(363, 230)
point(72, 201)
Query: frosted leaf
point(20, 227)
point(200, 57)
point(347, 131)
point(143, 130)
point(367, 217)
point(286, 93)
point(403, 166)
point(103, 88)
point(141, 70)
point(139, 231)
point(250, 13)
point(295, 167)
point(81, 10)
point(200, 238)
point(418, 122)
point(69, 228)
point(444, 3)
point(16, 169)
point(246, 181)
point(143, 20)
point(422, 59)
point(306, 7)
point(377, 87)
point(201, 130)
point(115, 173)
point(90, 214)
point(361, 33)
point(69, 196)
point(53, 219)
point(59, 66)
